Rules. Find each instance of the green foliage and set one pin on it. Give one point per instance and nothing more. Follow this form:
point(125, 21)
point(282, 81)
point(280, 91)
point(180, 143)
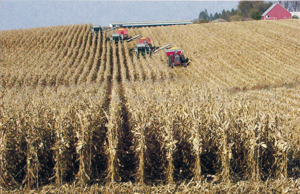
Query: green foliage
point(216, 16)
point(195, 21)
point(236, 17)
point(255, 14)
point(203, 15)
point(253, 9)
point(246, 9)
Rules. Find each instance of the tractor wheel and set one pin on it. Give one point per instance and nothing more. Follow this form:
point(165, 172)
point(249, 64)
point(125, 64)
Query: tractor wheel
point(169, 61)
point(182, 58)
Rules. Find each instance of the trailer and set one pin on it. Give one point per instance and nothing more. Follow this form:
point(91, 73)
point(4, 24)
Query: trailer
point(175, 56)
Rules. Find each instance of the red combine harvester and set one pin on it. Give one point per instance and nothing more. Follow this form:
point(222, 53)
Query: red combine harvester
point(175, 56)
point(121, 35)
point(146, 40)
point(143, 46)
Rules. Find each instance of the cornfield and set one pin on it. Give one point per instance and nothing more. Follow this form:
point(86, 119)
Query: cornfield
point(78, 114)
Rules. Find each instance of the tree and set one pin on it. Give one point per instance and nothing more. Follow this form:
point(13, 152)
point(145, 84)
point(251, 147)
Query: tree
point(223, 15)
point(244, 7)
point(292, 6)
point(211, 17)
point(233, 12)
point(195, 21)
point(228, 15)
point(255, 14)
point(203, 15)
point(216, 16)
point(235, 17)
point(253, 9)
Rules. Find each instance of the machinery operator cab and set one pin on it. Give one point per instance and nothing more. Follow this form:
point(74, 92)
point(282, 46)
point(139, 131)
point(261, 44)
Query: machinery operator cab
point(177, 57)
point(142, 49)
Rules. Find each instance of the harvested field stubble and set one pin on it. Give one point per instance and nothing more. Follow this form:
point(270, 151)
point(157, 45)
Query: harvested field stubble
point(82, 115)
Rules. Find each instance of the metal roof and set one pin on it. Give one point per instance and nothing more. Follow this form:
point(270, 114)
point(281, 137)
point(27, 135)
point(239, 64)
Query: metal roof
point(270, 8)
point(150, 23)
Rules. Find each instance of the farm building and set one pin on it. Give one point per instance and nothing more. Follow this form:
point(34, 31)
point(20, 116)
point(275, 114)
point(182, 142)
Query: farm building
point(276, 12)
point(150, 23)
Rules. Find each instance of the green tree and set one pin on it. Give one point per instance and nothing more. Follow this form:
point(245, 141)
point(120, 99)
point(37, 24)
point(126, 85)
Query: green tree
point(203, 15)
point(216, 16)
point(233, 12)
point(244, 7)
point(292, 6)
point(223, 14)
point(195, 21)
point(255, 14)
point(253, 9)
point(211, 17)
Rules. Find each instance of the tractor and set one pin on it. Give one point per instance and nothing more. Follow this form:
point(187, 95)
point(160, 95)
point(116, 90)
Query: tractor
point(175, 56)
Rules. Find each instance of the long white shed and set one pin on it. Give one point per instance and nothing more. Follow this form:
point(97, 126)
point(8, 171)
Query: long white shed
point(150, 23)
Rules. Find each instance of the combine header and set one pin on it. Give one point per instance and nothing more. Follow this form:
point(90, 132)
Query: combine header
point(175, 56)
point(95, 30)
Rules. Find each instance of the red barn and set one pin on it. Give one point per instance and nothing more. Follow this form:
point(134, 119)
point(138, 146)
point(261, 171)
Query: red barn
point(276, 12)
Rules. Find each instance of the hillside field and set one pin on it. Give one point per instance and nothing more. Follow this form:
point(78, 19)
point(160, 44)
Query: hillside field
point(78, 114)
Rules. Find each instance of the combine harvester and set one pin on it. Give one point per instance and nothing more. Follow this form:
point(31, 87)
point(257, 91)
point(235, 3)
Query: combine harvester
point(120, 36)
point(143, 46)
point(175, 56)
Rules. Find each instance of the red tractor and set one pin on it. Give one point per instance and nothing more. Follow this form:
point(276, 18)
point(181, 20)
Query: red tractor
point(175, 57)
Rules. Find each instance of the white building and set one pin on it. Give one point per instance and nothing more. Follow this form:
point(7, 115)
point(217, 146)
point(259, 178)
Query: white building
point(150, 23)
point(296, 14)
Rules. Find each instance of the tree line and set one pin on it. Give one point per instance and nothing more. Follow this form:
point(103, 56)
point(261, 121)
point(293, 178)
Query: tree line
point(247, 10)
point(291, 6)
